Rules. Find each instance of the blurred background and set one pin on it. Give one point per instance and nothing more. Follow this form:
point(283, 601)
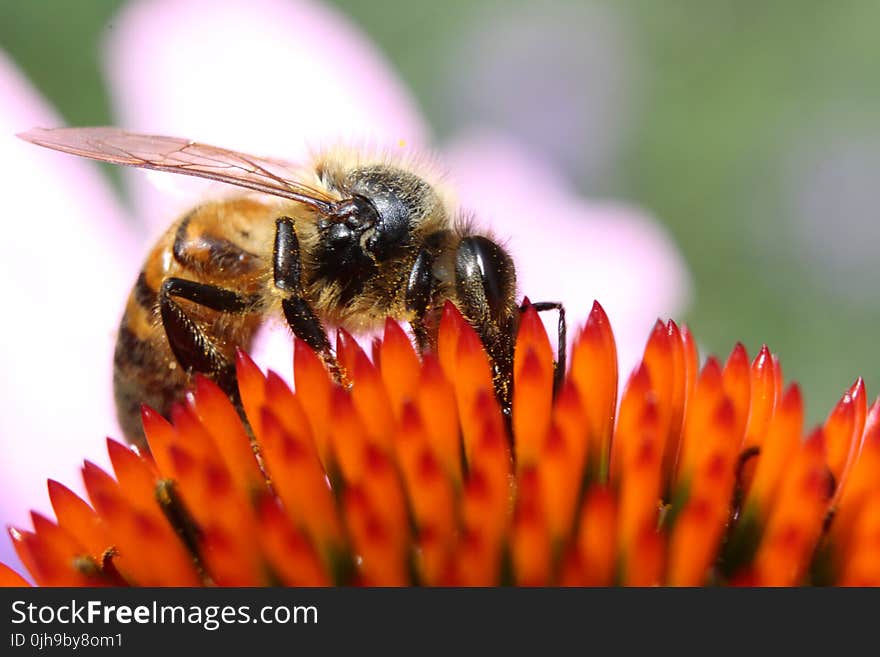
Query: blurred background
point(749, 129)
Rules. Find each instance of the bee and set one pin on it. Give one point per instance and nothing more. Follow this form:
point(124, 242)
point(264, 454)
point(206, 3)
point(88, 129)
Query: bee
point(347, 240)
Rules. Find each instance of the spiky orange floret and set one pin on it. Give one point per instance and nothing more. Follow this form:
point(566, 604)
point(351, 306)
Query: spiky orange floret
point(413, 474)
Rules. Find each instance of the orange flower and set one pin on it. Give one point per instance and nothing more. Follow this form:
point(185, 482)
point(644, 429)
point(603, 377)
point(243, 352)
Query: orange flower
point(413, 475)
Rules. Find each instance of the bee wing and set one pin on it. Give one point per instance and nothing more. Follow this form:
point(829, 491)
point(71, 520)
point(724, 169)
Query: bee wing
point(183, 156)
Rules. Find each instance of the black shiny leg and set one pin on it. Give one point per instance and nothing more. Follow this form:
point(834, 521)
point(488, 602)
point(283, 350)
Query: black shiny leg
point(299, 314)
point(562, 337)
point(418, 297)
point(191, 345)
point(210, 296)
point(484, 290)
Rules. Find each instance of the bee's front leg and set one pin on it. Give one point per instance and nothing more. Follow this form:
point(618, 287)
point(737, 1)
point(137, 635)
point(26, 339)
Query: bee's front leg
point(305, 324)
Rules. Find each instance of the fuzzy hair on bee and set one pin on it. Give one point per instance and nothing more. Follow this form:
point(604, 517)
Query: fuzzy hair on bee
point(346, 240)
point(412, 203)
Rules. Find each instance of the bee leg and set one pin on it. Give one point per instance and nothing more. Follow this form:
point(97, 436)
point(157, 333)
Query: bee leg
point(303, 321)
point(418, 295)
point(485, 304)
point(191, 345)
point(210, 296)
point(562, 333)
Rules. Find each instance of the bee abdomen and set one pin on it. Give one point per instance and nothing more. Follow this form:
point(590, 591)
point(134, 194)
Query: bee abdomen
point(144, 295)
point(146, 370)
point(142, 374)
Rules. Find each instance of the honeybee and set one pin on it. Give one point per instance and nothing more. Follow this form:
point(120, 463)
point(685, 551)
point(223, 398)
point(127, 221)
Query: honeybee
point(346, 240)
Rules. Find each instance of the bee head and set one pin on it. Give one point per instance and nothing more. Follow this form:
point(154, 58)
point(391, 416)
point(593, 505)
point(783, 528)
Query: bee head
point(384, 208)
point(401, 201)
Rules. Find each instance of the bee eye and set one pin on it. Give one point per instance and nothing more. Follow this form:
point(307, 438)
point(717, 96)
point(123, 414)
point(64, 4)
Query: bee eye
point(397, 199)
point(364, 213)
point(391, 219)
point(355, 212)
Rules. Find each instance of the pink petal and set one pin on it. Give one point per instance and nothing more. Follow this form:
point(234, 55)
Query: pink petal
point(268, 77)
point(497, 71)
point(568, 249)
point(65, 274)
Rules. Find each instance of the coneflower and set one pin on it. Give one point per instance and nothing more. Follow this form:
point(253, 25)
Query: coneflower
point(413, 475)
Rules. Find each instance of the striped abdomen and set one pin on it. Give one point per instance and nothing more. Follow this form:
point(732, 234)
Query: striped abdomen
point(224, 244)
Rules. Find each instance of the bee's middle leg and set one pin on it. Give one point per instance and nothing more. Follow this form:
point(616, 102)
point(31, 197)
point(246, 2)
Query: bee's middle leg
point(193, 347)
point(305, 324)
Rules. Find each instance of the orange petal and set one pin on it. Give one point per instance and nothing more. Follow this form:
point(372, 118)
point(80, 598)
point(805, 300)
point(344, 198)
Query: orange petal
point(783, 435)
point(314, 390)
point(478, 560)
point(437, 406)
point(451, 326)
point(9, 577)
point(645, 564)
point(382, 561)
point(715, 467)
point(694, 542)
point(428, 484)
point(862, 483)
point(298, 478)
point(56, 556)
point(222, 422)
point(708, 394)
point(680, 391)
point(382, 482)
point(594, 373)
point(559, 475)
point(697, 531)
point(530, 540)
point(843, 431)
point(596, 538)
point(532, 386)
point(570, 419)
point(659, 360)
point(286, 407)
point(160, 436)
point(862, 567)
point(400, 365)
point(79, 519)
point(371, 400)
point(474, 392)
point(532, 401)
point(434, 558)
point(638, 462)
point(149, 552)
point(347, 351)
point(487, 494)
point(347, 436)
point(795, 522)
point(633, 411)
point(691, 362)
point(765, 376)
point(737, 386)
point(134, 474)
point(291, 557)
point(251, 387)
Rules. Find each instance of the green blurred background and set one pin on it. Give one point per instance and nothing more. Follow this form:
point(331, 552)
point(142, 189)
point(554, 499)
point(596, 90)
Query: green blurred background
point(750, 129)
